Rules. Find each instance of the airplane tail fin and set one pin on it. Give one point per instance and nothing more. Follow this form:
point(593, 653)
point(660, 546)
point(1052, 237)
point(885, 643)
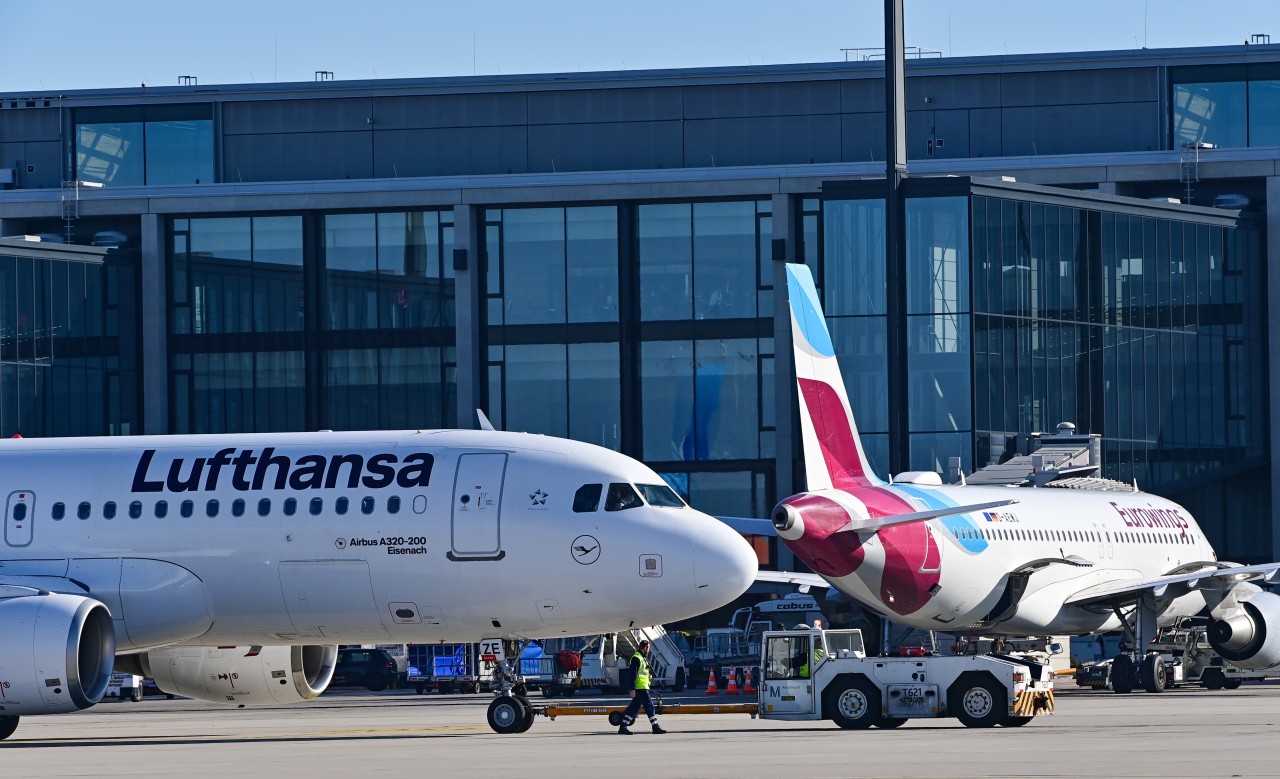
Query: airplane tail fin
point(833, 454)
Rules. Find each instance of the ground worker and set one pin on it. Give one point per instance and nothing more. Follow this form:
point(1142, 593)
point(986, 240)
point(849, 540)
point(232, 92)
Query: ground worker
point(640, 693)
point(818, 654)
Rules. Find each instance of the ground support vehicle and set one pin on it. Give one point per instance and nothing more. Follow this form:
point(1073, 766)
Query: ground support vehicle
point(448, 668)
point(125, 687)
point(606, 660)
point(816, 674)
point(1180, 656)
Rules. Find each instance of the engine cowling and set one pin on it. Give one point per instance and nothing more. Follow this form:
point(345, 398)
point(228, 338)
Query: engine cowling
point(1250, 638)
point(243, 675)
point(56, 651)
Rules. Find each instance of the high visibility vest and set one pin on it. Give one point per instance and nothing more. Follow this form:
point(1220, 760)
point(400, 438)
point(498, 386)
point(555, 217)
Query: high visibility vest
point(642, 673)
point(818, 654)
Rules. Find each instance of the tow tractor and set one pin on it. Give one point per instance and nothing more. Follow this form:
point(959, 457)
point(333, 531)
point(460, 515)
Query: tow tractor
point(826, 674)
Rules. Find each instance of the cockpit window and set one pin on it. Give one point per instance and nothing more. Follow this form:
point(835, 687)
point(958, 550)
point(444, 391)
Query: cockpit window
point(622, 497)
point(587, 498)
point(660, 495)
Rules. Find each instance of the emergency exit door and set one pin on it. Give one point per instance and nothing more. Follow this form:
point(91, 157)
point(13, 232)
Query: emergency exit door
point(18, 517)
point(475, 527)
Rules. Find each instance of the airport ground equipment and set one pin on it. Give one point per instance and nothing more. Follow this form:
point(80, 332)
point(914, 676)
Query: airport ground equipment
point(606, 657)
point(738, 644)
point(842, 684)
point(1185, 658)
point(125, 687)
point(447, 668)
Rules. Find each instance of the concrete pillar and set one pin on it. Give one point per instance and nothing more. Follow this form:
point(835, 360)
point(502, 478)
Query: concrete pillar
point(469, 284)
point(1273, 350)
point(155, 327)
point(785, 246)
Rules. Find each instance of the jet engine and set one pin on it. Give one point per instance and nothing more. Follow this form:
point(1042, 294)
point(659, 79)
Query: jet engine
point(1250, 638)
point(242, 675)
point(56, 651)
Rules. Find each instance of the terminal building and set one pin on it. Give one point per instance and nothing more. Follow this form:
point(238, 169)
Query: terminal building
point(596, 255)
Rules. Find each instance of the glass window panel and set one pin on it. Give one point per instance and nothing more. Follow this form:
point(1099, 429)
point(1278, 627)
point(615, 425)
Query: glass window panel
point(111, 153)
point(415, 388)
point(595, 394)
point(724, 260)
point(937, 255)
point(938, 373)
point(591, 261)
point(666, 261)
point(277, 271)
point(351, 271)
point(726, 494)
point(180, 152)
point(666, 370)
point(1211, 113)
point(536, 397)
point(1264, 113)
point(854, 257)
point(351, 383)
point(726, 400)
point(533, 266)
point(415, 266)
point(860, 344)
point(587, 498)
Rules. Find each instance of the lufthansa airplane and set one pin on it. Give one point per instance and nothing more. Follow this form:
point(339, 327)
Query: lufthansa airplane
point(229, 567)
point(1001, 560)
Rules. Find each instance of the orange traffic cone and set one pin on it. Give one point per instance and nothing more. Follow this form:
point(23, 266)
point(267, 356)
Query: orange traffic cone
point(732, 689)
point(712, 689)
point(749, 688)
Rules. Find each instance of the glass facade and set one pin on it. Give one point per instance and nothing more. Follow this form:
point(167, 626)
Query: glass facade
point(68, 346)
point(1227, 106)
point(133, 146)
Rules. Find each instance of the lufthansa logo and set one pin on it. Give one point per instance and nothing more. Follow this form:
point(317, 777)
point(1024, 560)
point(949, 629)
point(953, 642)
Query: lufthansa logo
point(585, 549)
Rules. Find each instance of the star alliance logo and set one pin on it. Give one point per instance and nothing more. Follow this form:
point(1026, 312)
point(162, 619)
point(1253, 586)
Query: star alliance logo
point(539, 497)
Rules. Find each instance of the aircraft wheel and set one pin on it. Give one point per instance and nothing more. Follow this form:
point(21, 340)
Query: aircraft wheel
point(889, 723)
point(1154, 674)
point(1232, 684)
point(615, 718)
point(853, 704)
point(7, 726)
point(1122, 675)
point(979, 702)
point(509, 714)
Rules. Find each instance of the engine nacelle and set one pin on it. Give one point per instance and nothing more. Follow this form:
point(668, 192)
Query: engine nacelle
point(56, 651)
point(1250, 638)
point(243, 675)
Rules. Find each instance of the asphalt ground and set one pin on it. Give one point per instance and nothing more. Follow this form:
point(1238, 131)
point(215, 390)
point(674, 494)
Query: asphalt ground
point(1180, 733)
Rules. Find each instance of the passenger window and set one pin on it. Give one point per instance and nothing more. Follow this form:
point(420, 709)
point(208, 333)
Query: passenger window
point(317, 505)
point(622, 497)
point(162, 508)
point(109, 509)
point(393, 504)
point(264, 507)
point(587, 498)
point(20, 511)
point(82, 511)
point(237, 507)
point(290, 506)
point(367, 504)
point(660, 495)
point(187, 508)
point(59, 510)
point(211, 508)
point(340, 505)
point(135, 509)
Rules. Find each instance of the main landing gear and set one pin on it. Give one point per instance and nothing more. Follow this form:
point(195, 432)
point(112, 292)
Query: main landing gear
point(1137, 668)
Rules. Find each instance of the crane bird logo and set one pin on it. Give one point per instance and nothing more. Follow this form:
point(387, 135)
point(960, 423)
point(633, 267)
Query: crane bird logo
point(585, 549)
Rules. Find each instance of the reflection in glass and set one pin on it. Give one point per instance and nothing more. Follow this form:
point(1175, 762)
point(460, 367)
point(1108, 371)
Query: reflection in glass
point(937, 255)
point(938, 372)
point(591, 262)
point(860, 344)
point(180, 152)
point(594, 394)
point(666, 261)
point(1264, 113)
point(701, 409)
point(1213, 112)
point(533, 266)
point(724, 260)
point(110, 153)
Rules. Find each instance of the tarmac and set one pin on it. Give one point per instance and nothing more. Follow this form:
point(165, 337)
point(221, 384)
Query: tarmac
point(1180, 733)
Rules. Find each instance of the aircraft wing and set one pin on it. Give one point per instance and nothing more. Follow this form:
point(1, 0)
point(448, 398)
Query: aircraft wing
point(752, 526)
point(1209, 578)
point(791, 577)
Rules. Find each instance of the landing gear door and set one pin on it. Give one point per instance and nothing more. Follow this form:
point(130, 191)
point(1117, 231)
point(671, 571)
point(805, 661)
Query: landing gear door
point(786, 658)
point(475, 528)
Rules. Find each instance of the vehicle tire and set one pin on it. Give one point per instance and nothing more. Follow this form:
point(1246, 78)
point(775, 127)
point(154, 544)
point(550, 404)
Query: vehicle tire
point(376, 682)
point(568, 692)
point(1016, 722)
point(135, 694)
point(507, 714)
point(419, 688)
point(615, 718)
point(1122, 675)
point(853, 704)
point(446, 688)
point(889, 723)
point(979, 702)
point(1212, 679)
point(1154, 674)
point(8, 724)
point(1232, 684)
point(551, 691)
point(682, 681)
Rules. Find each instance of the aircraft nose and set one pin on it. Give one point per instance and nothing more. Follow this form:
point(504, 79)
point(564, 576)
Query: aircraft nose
point(724, 564)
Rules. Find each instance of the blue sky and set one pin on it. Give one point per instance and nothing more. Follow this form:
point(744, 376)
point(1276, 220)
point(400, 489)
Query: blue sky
point(51, 46)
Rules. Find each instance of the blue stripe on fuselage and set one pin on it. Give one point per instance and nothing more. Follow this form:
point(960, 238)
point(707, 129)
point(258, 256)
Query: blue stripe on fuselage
point(959, 526)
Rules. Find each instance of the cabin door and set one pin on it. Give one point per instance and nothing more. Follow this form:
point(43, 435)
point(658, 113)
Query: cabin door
point(475, 529)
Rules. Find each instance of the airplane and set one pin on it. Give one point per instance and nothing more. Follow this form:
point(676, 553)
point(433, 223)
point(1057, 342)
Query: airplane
point(229, 567)
point(1001, 560)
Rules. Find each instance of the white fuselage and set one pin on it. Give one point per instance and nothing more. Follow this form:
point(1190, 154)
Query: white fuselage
point(409, 536)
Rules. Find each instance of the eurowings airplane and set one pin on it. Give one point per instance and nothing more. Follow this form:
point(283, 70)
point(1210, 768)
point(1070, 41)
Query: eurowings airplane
point(1013, 561)
point(229, 567)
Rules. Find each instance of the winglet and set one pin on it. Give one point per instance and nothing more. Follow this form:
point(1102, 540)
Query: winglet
point(485, 424)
